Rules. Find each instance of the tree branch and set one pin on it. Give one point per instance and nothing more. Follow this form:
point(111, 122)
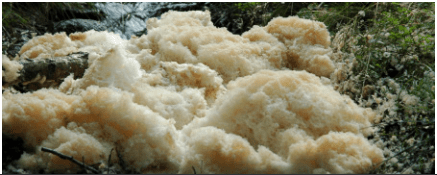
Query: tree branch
point(70, 158)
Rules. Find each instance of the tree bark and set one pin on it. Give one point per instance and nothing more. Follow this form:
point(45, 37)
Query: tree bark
point(50, 72)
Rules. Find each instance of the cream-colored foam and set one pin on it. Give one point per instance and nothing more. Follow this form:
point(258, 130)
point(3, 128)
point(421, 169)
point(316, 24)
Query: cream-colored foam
point(189, 94)
point(11, 69)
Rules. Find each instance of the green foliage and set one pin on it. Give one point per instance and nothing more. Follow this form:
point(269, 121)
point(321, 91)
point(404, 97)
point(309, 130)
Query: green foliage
point(10, 16)
point(247, 5)
point(393, 43)
point(398, 44)
point(271, 10)
point(336, 14)
point(407, 37)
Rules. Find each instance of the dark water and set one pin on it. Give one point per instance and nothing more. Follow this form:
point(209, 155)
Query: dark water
point(128, 19)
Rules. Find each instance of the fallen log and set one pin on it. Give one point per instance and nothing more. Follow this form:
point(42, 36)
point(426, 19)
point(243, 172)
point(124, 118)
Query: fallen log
point(49, 72)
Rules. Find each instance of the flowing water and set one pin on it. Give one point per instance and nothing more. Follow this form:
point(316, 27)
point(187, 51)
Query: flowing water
point(127, 19)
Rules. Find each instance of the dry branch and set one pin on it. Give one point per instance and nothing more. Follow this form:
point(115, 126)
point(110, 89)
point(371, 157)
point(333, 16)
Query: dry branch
point(120, 158)
point(109, 159)
point(70, 158)
point(194, 169)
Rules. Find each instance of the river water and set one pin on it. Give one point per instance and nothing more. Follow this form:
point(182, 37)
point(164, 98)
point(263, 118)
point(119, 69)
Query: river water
point(127, 19)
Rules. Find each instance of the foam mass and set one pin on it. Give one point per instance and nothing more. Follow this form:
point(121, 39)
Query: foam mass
point(189, 94)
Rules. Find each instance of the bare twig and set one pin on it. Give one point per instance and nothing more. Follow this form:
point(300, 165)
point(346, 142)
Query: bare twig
point(109, 159)
point(70, 158)
point(83, 161)
point(194, 169)
point(320, 5)
point(400, 152)
point(120, 159)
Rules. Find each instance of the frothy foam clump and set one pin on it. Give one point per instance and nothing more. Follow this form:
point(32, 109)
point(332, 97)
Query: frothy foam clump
point(189, 94)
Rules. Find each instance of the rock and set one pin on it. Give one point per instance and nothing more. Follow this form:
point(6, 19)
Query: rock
point(78, 25)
